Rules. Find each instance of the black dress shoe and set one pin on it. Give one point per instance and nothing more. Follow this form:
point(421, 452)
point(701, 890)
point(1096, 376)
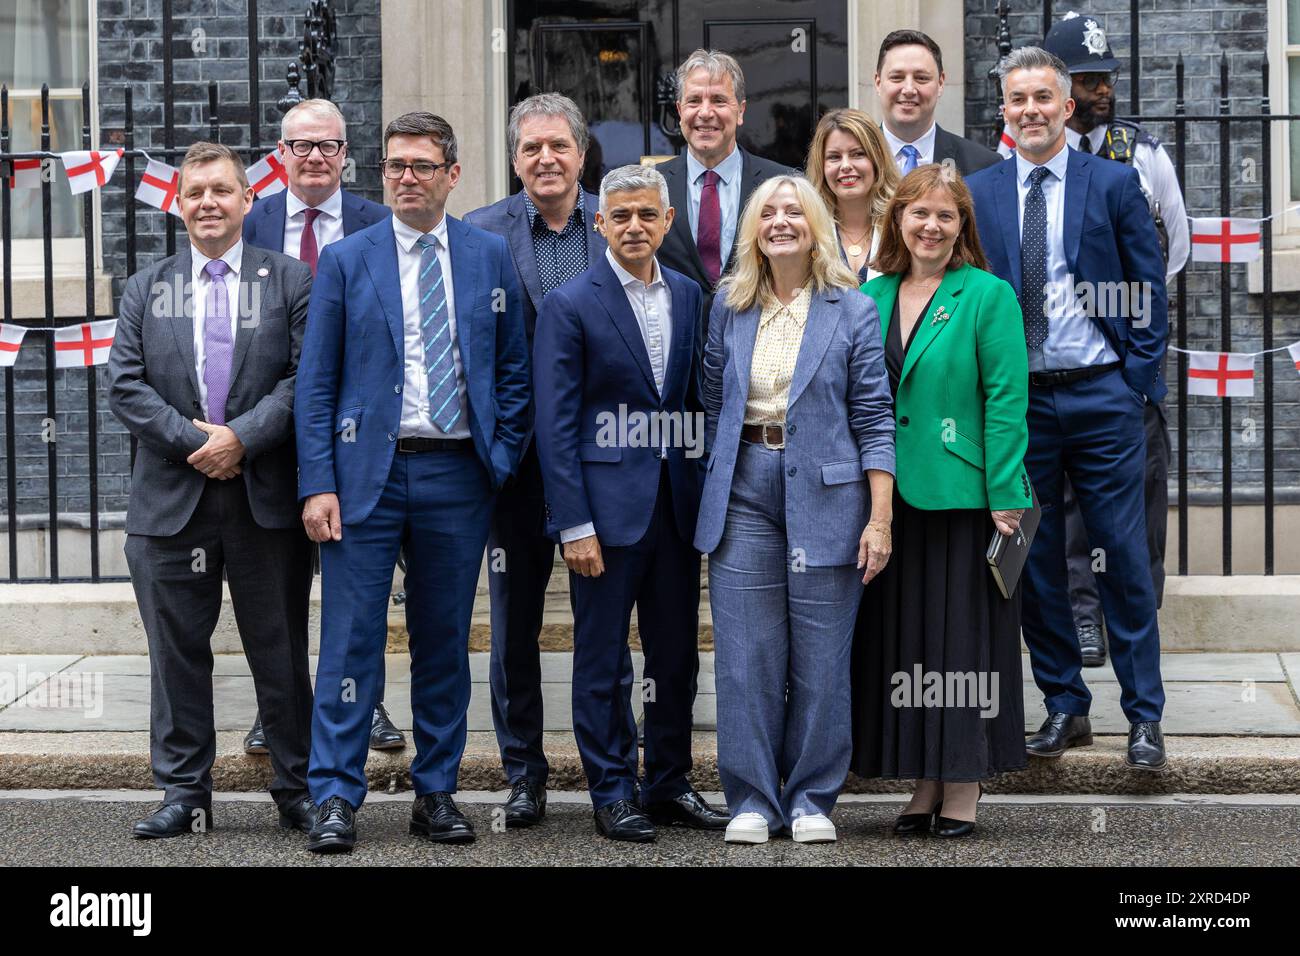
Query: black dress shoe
point(173, 820)
point(255, 741)
point(687, 810)
point(383, 734)
point(436, 817)
point(526, 804)
point(949, 828)
point(335, 829)
point(909, 823)
point(1058, 734)
point(299, 816)
point(623, 820)
point(1092, 645)
point(1146, 747)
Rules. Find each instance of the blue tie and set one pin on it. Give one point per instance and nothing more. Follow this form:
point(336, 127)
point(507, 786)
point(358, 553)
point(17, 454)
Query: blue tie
point(1033, 261)
point(435, 328)
point(911, 158)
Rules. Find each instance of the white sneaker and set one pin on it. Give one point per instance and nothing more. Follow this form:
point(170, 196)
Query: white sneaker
point(747, 828)
point(812, 828)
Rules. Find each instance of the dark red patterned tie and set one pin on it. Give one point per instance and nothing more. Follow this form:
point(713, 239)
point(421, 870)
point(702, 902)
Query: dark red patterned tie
point(307, 251)
point(708, 234)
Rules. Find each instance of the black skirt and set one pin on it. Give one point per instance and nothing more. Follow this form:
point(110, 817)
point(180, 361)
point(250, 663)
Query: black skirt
point(936, 656)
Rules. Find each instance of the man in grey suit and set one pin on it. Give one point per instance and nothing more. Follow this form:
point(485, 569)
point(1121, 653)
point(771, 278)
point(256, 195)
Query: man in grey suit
point(710, 182)
point(550, 228)
point(202, 373)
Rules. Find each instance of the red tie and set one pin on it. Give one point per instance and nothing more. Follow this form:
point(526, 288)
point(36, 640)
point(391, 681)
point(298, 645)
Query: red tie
point(708, 234)
point(307, 251)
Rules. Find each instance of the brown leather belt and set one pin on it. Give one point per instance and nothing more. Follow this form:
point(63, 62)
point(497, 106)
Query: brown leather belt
point(768, 435)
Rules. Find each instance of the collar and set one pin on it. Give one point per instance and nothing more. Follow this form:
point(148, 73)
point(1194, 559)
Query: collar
point(407, 236)
point(798, 307)
point(579, 213)
point(332, 207)
point(728, 168)
point(232, 257)
point(924, 144)
point(1096, 138)
point(626, 279)
point(1057, 165)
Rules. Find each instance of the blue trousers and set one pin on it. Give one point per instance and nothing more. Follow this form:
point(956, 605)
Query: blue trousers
point(782, 638)
point(436, 506)
point(1093, 432)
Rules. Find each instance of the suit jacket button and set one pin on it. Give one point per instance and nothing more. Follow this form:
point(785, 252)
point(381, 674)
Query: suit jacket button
point(792, 471)
point(397, 389)
point(903, 420)
point(789, 426)
point(390, 437)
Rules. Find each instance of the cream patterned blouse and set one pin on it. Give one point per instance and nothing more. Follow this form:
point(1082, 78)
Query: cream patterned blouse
point(776, 347)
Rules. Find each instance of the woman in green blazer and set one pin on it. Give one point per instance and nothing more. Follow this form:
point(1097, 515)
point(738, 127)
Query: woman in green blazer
point(936, 657)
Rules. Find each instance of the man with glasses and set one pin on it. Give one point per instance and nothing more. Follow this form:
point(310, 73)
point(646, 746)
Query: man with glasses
point(411, 413)
point(301, 221)
point(1094, 128)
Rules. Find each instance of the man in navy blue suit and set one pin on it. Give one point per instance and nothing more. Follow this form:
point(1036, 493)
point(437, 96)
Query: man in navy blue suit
point(300, 221)
point(550, 228)
point(620, 437)
point(1072, 233)
point(412, 406)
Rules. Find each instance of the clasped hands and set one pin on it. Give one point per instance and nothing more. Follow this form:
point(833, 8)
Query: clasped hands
point(221, 453)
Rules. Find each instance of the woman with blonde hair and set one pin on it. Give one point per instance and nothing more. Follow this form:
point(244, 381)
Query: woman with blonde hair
point(849, 166)
point(795, 510)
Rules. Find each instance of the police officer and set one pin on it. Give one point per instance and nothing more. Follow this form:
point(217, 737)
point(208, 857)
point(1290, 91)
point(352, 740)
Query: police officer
point(1094, 128)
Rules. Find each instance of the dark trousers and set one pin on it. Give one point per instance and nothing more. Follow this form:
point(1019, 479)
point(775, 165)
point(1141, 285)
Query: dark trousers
point(1091, 432)
point(435, 507)
point(177, 581)
point(520, 558)
point(660, 575)
point(1085, 603)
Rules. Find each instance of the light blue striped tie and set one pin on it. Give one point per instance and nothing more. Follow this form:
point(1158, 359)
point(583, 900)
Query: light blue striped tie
point(435, 328)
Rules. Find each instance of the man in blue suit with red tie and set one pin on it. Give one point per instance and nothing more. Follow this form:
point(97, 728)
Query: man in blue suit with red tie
point(411, 412)
point(1072, 233)
point(620, 437)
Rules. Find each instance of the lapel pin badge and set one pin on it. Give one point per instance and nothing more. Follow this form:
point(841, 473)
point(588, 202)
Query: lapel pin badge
point(940, 315)
point(264, 272)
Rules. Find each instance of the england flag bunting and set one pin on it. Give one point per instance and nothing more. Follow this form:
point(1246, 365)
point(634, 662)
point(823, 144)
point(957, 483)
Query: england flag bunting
point(1006, 145)
point(1225, 240)
point(87, 171)
point(25, 174)
point(1221, 374)
point(11, 340)
point(267, 176)
point(158, 187)
point(1294, 352)
point(84, 345)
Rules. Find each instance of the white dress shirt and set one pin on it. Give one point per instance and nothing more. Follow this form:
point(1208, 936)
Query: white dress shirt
point(416, 421)
point(652, 304)
point(328, 226)
point(201, 283)
point(924, 145)
point(729, 172)
point(1073, 339)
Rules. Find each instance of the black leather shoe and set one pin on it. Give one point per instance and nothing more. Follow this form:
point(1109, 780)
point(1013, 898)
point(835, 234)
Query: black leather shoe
point(949, 828)
point(255, 741)
point(299, 816)
point(623, 820)
point(1058, 734)
point(173, 820)
point(1146, 747)
point(436, 817)
point(688, 810)
point(909, 823)
point(1091, 644)
point(335, 829)
point(383, 734)
point(526, 804)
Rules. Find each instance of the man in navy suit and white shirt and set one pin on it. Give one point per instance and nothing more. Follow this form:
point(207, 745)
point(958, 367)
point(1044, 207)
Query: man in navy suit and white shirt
point(1069, 231)
point(412, 408)
point(620, 436)
point(550, 228)
point(313, 147)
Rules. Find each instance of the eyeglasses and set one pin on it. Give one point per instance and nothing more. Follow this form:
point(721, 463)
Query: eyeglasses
point(302, 147)
point(392, 169)
point(1091, 81)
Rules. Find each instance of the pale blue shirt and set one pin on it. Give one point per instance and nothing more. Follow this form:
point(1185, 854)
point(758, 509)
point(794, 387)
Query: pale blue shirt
point(1073, 339)
point(729, 171)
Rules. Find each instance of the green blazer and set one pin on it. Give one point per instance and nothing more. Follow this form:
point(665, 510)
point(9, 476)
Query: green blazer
point(960, 433)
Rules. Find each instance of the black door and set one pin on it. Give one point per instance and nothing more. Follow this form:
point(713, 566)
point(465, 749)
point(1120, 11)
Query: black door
point(616, 59)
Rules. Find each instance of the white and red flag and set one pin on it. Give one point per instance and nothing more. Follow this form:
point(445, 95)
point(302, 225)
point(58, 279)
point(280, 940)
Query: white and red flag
point(87, 171)
point(159, 186)
point(81, 346)
point(1292, 350)
point(268, 176)
point(25, 174)
point(1221, 374)
point(1006, 144)
point(1225, 240)
point(11, 340)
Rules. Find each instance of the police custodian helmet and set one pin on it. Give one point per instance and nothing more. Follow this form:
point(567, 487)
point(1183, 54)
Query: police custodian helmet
point(1081, 43)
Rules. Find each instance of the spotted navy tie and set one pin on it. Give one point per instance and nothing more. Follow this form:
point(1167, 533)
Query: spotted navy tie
point(1033, 261)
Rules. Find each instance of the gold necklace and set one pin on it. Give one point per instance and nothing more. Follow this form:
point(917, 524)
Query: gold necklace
point(855, 250)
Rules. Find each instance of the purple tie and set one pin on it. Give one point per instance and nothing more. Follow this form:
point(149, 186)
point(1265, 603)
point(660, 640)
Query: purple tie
point(708, 232)
point(218, 345)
